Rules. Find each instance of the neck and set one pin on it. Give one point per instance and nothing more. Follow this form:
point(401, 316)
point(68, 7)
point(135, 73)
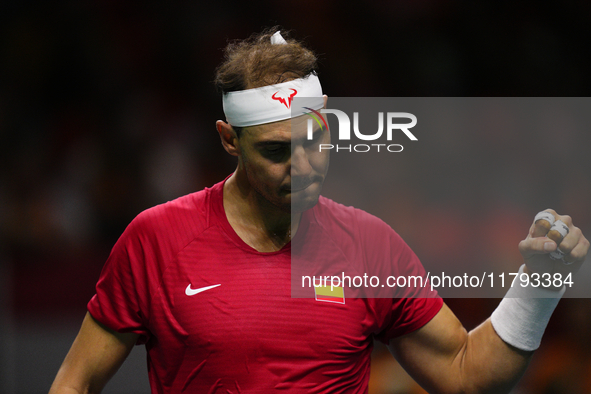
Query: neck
point(260, 224)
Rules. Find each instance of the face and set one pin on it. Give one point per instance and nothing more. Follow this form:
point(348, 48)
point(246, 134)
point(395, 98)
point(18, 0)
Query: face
point(282, 165)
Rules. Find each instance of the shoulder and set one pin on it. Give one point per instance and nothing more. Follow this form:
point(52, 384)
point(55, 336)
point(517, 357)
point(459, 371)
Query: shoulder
point(174, 223)
point(187, 211)
point(330, 215)
point(358, 227)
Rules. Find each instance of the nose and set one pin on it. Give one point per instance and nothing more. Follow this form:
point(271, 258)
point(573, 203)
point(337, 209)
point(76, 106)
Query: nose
point(300, 162)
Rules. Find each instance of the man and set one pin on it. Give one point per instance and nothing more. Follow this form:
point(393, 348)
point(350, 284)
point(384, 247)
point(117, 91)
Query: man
point(204, 281)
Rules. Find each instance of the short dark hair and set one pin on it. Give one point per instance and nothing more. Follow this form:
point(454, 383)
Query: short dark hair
point(255, 62)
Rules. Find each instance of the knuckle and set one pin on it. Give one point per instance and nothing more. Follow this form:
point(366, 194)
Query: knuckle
point(567, 220)
point(577, 232)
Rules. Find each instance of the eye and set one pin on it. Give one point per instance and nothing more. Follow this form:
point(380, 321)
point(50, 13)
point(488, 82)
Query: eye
point(273, 148)
point(276, 152)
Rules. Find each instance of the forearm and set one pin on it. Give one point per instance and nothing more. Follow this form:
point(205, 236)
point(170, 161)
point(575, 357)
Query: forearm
point(499, 350)
point(487, 364)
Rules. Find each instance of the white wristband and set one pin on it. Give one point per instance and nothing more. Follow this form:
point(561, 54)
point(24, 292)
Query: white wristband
point(522, 316)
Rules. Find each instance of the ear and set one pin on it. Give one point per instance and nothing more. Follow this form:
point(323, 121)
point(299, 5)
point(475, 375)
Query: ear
point(325, 100)
point(228, 137)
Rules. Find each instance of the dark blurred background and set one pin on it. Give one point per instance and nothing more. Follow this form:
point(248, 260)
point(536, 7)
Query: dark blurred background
point(107, 108)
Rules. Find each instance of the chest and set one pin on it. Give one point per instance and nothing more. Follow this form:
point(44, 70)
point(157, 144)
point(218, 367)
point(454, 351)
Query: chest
point(217, 298)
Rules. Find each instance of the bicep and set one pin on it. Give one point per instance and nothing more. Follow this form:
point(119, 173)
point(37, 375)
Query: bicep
point(95, 356)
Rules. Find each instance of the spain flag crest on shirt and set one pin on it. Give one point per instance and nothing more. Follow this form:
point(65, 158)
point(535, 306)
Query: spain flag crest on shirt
point(326, 292)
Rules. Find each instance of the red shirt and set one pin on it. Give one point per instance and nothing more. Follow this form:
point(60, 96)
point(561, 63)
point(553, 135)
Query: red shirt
point(248, 335)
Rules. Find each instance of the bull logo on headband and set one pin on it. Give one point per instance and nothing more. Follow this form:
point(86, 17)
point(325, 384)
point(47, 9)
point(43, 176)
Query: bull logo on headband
point(282, 100)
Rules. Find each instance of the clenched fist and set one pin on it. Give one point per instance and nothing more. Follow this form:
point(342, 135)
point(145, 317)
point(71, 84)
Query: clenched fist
point(554, 244)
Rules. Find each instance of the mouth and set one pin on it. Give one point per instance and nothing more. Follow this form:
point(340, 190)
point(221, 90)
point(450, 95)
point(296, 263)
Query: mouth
point(293, 191)
point(299, 187)
point(303, 184)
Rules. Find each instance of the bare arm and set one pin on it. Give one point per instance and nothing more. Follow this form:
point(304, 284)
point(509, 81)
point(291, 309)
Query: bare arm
point(95, 356)
point(443, 358)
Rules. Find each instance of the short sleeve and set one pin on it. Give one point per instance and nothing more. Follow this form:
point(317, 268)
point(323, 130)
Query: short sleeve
point(407, 315)
point(405, 308)
point(122, 293)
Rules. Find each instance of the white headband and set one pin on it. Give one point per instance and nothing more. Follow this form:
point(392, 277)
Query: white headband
point(272, 103)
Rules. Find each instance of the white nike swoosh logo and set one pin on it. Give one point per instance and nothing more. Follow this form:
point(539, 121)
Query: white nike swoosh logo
point(190, 292)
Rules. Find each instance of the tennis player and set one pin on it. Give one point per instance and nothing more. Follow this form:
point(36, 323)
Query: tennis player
point(204, 281)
